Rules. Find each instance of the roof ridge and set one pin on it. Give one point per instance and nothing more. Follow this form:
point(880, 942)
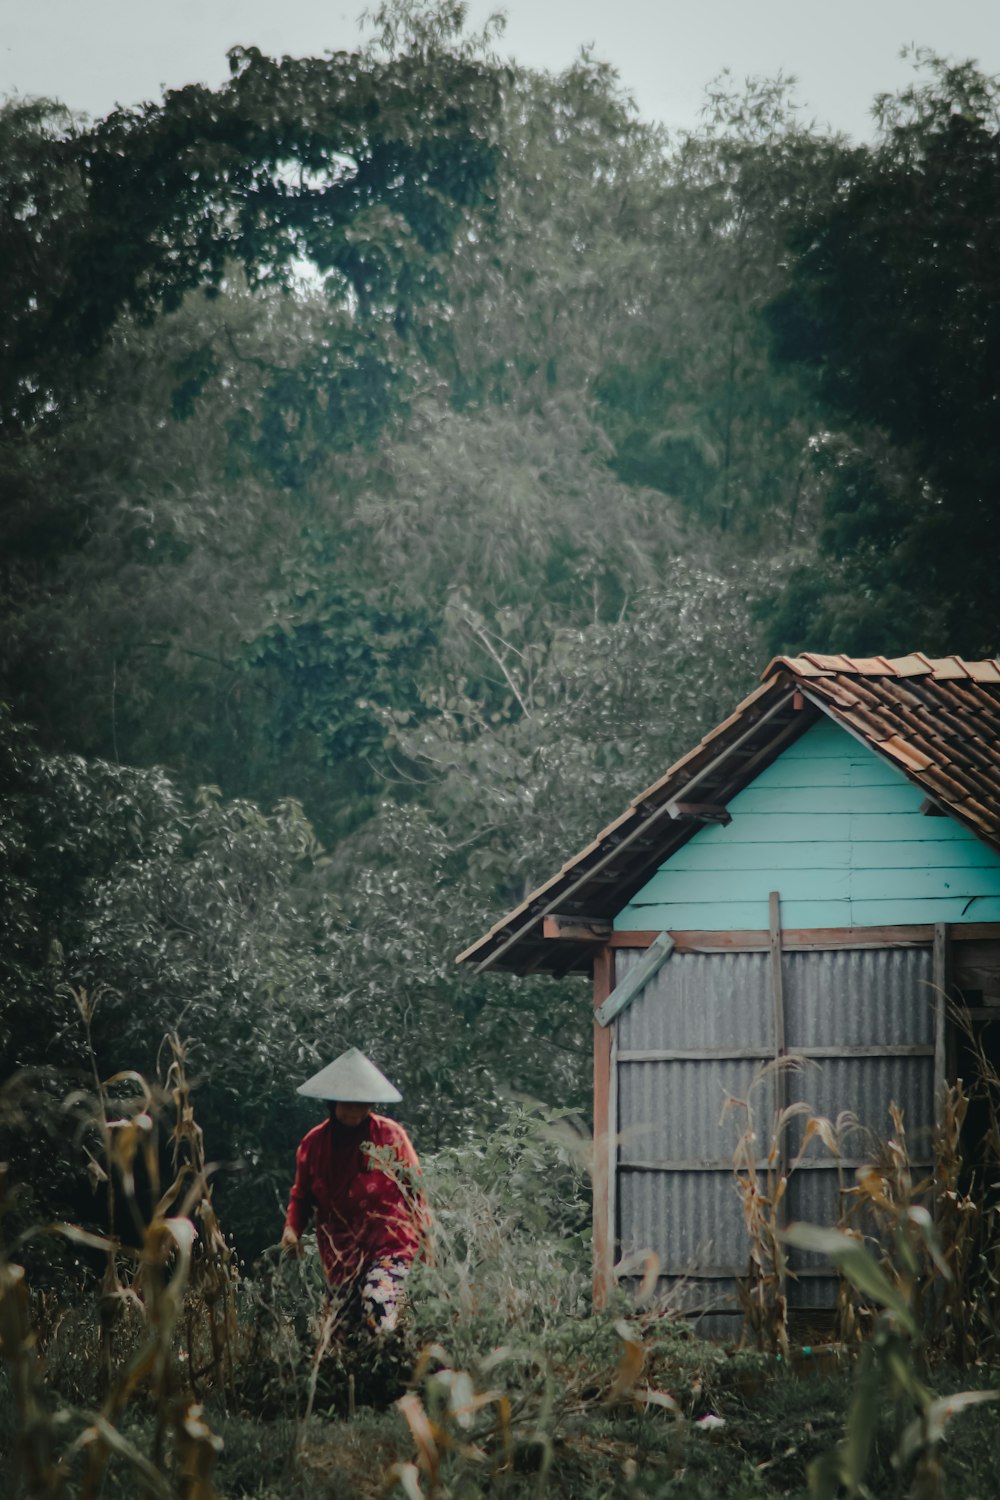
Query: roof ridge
point(916, 664)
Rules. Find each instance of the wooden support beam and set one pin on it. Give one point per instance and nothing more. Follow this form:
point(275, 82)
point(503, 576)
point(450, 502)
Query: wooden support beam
point(624, 993)
point(692, 1275)
point(778, 1010)
point(809, 939)
point(940, 976)
point(763, 1054)
point(777, 984)
point(808, 1164)
point(578, 929)
point(604, 983)
point(702, 812)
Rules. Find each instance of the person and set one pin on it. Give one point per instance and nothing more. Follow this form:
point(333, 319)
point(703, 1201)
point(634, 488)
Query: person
point(355, 1172)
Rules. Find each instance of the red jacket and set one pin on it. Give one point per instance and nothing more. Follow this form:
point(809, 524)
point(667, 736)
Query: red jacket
point(363, 1211)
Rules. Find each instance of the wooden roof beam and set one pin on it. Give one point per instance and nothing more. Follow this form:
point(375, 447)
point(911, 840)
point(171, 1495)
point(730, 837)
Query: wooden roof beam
point(702, 812)
point(578, 929)
point(562, 897)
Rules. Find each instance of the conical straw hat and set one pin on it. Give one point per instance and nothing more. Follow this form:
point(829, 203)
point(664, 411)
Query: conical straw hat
point(350, 1079)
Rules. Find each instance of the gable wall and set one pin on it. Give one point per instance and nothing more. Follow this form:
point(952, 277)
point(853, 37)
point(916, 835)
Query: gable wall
point(839, 834)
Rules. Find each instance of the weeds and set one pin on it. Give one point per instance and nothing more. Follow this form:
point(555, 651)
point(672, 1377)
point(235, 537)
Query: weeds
point(507, 1384)
point(891, 1359)
point(148, 1282)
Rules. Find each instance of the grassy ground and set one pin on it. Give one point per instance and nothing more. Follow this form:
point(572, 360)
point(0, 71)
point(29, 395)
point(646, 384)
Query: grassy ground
point(774, 1426)
point(504, 1384)
point(576, 1428)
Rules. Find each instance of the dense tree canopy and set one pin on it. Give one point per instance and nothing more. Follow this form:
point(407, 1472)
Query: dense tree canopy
point(894, 303)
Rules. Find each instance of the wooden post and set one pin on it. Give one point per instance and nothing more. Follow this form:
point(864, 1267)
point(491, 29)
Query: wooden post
point(604, 1248)
point(777, 984)
point(778, 1011)
point(940, 976)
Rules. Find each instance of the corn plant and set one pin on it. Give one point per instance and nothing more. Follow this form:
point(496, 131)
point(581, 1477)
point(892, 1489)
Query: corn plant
point(976, 1186)
point(214, 1270)
point(958, 1222)
point(763, 1195)
point(153, 1280)
point(890, 1359)
point(512, 1362)
point(161, 1276)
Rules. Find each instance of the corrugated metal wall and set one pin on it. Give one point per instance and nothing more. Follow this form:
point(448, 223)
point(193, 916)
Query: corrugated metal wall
point(698, 1034)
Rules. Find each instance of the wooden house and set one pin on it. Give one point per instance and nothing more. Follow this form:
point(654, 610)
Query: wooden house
point(813, 879)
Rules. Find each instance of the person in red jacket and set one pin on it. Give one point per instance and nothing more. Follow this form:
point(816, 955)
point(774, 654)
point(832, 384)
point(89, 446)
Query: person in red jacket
point(356, 1174)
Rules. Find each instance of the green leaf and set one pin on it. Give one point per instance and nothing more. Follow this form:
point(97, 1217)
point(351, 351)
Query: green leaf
point(855, 1262)
point(928, 1430)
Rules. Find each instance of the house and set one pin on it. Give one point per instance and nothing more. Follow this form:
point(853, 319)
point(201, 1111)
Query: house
point(819, 877)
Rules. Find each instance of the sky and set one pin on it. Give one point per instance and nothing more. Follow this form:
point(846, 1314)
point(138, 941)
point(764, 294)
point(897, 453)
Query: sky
point(92, 54)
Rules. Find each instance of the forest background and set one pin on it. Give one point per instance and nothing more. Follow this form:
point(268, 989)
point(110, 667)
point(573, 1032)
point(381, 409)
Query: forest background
point(405, 456)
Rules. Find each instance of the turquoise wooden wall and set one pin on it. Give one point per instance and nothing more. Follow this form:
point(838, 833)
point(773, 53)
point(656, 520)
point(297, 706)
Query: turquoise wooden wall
point(838, 832)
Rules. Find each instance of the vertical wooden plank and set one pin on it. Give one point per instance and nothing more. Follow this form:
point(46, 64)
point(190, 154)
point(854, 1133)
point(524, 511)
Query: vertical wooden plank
point(777, 984)
point(778, 1010)
point(612, 1153)
point(940, 975)
point(604, 983)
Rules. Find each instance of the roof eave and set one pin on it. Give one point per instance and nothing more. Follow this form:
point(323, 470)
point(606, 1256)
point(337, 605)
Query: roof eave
point(511, 944)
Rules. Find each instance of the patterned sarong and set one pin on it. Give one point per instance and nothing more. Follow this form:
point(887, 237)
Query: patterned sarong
point(383, 1292)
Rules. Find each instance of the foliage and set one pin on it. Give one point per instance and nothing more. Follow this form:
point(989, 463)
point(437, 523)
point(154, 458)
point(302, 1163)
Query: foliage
point(763, 1192)
point(888, 1360)
point(363, 167)
point(170, 1256)
point(688, 395)
point(173, 914)
point(893, 303)
point(511, 1384)
point(394, 478)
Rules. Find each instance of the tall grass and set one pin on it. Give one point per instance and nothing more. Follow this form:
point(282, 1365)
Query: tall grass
point(176, 1257)
point(503, 1381)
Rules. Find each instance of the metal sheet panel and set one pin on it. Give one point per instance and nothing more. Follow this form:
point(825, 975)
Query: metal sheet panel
point(812, 1292)
point(866, 1086)
point(672, 1111)
point(689, 1220)
point(699, 1000)
point(851, 997)
point(715, 1302)
point(668, 1111)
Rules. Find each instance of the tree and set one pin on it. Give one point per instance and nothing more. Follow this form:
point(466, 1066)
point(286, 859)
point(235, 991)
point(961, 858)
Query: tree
point(894, 306)
point(362, 167)
point(172, 913)
point(175, 407)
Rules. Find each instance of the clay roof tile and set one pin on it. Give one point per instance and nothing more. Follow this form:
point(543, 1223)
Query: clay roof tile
point(909, 755)
point(909, 666)
point(944, 668)
point(983, 671)
point(871, 666)
point(873, 726)
point(836, 690)
point(796, 664)
point(828, 663)
point(901, 695)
